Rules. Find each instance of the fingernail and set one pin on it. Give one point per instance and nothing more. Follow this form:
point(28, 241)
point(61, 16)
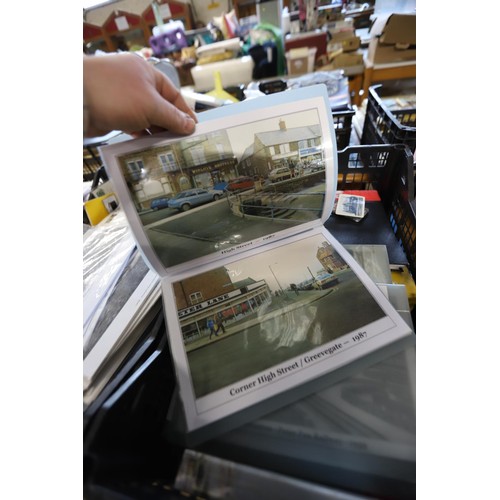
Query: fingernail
point(189, 124)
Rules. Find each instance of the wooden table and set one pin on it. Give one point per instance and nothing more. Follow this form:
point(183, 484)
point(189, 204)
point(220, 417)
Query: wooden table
point(382, 72)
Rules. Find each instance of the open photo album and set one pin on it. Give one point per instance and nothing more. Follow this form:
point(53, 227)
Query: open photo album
point(261, 302)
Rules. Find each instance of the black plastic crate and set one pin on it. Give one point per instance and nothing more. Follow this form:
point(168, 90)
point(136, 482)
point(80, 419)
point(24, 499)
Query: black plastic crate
point(385, 126)
point(91, 163)
point(342, 122)
point(389, 170)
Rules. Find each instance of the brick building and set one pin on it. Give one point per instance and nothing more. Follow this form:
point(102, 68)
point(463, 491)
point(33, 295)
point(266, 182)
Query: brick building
point(212, 295)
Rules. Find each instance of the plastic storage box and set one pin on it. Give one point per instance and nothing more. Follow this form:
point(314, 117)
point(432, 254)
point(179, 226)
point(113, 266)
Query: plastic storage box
point(233, 72)
point(388, 126)
point(168, 38)
point(389, 170)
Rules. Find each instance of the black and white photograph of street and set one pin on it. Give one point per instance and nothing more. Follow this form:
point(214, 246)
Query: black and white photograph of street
point(210, 192)
point(257, 312)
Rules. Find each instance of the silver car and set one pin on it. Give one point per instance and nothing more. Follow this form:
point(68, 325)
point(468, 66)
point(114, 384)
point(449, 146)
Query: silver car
point(185, 200)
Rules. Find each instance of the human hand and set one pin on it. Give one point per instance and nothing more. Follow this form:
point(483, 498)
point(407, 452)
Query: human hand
point(124, 92)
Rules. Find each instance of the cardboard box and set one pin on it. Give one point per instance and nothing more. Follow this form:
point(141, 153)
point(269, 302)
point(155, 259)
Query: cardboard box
point(347, 59)
point(348, 40)
point(300, 61)
point(393, 38)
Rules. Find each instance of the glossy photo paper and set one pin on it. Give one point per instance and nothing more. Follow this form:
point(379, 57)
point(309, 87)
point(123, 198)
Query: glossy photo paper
point(261, 302)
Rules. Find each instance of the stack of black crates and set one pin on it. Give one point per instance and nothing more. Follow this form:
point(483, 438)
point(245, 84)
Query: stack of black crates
point(385, 161)
point(388, 169)
point(388, 126)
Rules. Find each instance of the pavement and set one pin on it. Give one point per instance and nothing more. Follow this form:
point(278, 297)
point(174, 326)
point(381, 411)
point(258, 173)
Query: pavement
point(280, 305)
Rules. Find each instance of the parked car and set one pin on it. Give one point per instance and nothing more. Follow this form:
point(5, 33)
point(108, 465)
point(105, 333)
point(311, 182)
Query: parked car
point(280, 174)
point(160, 202)
point(240, 183)
point(220, 186)
point(185, 200)
point(317, 165)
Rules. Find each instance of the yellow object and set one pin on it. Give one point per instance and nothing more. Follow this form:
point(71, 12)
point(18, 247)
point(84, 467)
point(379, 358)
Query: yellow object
point(220, 56)
point(401, 276)
point(188, 53)
point(218, 92)
point(99, 208)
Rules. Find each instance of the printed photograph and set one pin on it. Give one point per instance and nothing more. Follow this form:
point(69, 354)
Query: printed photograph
point(350, 205)
point(263, 310)
point(217, 190)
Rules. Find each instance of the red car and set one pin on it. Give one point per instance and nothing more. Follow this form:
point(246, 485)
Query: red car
point(240, 183)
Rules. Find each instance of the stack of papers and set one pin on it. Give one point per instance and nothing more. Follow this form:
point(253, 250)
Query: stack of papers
point(119, 291)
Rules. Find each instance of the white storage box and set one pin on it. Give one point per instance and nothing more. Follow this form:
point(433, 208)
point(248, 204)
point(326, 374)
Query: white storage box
point(232, 72)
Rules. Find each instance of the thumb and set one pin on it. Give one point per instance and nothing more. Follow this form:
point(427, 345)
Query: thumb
point(168, 116)
point(170, 110)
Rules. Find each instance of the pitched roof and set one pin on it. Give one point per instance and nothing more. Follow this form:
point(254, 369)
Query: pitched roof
point(289, 135)
point(99, 14)
point(249, 151)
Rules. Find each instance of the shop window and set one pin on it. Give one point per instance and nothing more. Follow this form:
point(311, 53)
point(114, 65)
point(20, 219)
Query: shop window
point(204, 180)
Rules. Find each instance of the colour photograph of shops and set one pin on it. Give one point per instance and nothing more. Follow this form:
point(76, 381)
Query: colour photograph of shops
point(256, 312)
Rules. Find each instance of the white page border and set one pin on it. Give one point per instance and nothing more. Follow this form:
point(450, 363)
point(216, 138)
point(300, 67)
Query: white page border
point(262, 108)
point(218, 405)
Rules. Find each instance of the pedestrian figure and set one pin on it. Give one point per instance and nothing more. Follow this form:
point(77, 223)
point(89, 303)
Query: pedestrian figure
point(211, 326)
point(220, 323)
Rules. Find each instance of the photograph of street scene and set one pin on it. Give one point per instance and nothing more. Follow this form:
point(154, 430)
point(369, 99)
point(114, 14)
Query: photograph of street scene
point(263, 310)
point(210, 192)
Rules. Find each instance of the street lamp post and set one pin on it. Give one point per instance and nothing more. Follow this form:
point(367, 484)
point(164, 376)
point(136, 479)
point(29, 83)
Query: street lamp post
point(270, 268)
